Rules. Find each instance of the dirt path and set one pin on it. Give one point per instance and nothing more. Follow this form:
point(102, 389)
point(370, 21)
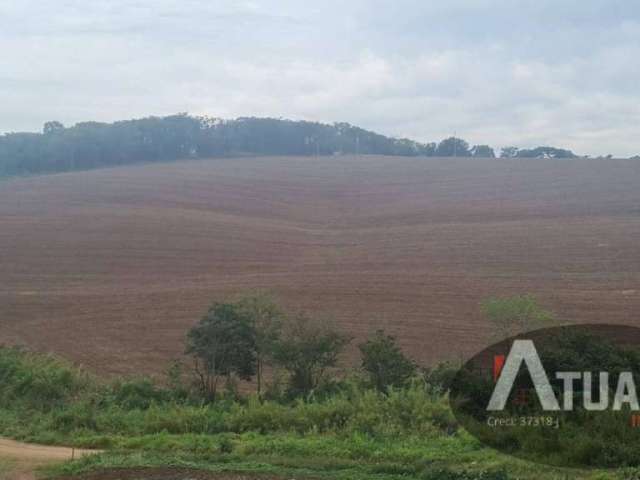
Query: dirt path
point(18, 450)
point(25, 458)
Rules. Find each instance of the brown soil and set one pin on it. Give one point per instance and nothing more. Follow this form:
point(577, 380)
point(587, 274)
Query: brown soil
point(18, 450)
point(25, 458)
point(111, 267)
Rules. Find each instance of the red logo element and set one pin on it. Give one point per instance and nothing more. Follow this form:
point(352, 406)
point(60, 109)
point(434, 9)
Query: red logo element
point(498, 365)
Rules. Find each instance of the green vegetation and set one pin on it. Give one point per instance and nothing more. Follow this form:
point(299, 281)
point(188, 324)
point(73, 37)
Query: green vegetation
point(306, 350)
point(385, 364)
point(518, 314)
point(266, 318)
point(222, 344)
point(538, 152)
point(5, 467)
point(570, 436)
point(90, 145)
point(289, 458)
point(457, 147)
point(386, 422)
point(355, 431)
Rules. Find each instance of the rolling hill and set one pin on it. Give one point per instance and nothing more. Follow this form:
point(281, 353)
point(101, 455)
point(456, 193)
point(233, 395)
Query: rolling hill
point(110, 267)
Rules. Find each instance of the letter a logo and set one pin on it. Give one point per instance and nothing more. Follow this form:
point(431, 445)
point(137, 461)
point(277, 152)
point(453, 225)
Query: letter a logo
point(523, 351)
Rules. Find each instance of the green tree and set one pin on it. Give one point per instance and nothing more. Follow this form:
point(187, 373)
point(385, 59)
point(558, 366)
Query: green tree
point(52, 127)
point(88, 145)
point(441, 375)
point(222, 344)
point(517, 314)
point(453, 147)
point(384, 362)
point(546, 152)
point(306, 350)
point(509, 152)
point(266, 318)
point(483, 151)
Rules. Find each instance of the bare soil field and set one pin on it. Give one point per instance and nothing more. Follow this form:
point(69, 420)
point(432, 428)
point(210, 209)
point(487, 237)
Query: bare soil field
point(109, 268)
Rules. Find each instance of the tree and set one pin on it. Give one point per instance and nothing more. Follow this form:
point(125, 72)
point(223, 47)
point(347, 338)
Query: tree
point(512, 315)
point(306, 351)
point(441, 376)
point(223, 343)
point(509, 152)
point(483, 151)
point(453, 147)
point(546, 152)
point(52, 127)
point(94, 144)
point(384, 362)
point(266, 318)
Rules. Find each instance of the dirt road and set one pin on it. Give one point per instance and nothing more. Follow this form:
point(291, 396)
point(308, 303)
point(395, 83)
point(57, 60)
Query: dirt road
point(18, 450)
point(25, 458)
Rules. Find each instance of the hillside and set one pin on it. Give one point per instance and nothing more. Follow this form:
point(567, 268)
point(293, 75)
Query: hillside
point(111, 267)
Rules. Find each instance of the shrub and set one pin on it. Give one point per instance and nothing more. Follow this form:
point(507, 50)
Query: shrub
point(138, 407)
point(517, 314)
point(384, 362)
point(137, 394)
point(443, 474)
point(440, 377)
point(39, 382)
point(306, 351)
point(226, 445)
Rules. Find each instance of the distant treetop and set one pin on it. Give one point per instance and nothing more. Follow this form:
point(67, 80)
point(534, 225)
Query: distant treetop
point(89, 145)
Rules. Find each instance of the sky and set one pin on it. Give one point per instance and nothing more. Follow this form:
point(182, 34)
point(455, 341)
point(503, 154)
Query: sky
point(500, 72)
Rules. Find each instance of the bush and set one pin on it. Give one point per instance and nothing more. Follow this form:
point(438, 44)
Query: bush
point(440, 377)
point(226, 446)
point(451, 475)
point(138, 407)
point(137, 394)
point(384, 362)
point(39, 382)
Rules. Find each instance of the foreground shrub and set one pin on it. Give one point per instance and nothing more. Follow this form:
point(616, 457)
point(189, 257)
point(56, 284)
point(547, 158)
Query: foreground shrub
point(451, 475)
point(50, 399)
point(407, 411)
point(137, 394)
point(384, 363)
point(39, 382)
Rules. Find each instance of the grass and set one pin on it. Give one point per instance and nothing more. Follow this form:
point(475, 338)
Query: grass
point(323, 457)
point(6, 466)
point(354, 433)
point(19, 467)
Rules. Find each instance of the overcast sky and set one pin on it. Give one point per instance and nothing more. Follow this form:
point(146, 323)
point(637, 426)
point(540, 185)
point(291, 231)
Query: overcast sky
point(559, 72)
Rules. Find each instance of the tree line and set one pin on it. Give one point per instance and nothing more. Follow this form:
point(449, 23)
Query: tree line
point(89, 145)
point(241, 339)
point(238, 340)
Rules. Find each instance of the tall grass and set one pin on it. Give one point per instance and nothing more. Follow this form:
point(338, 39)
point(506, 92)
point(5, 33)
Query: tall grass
point(45, 398)
point(38, 382)
point(354, 432)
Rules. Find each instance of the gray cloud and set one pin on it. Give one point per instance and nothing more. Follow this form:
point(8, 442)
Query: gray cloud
point(495, 71)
